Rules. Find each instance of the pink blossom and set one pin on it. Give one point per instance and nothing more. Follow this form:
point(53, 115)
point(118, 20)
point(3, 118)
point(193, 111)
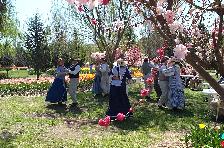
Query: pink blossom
point(180, 51)
point(169, 16)
point(71, 1)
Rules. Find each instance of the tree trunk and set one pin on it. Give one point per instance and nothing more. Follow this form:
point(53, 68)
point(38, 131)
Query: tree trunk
point(199, 68)
point(38, 74)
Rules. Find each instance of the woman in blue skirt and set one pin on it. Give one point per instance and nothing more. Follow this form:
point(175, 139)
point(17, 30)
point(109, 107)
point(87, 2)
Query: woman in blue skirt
point(57, 92)
point(118, 102)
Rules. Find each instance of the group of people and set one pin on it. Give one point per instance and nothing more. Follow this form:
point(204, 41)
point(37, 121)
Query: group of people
point(106, 82)
point(167, 83)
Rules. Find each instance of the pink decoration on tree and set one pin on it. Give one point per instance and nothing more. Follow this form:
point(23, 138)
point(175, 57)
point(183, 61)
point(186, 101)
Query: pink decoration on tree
point(94, 21)
point(80, 8)
point(105, 2)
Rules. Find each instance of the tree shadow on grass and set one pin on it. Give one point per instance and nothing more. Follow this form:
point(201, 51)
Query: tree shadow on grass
point(152, 117)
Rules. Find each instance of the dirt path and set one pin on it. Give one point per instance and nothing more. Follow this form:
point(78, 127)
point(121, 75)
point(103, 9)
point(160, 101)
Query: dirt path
point(170, 139)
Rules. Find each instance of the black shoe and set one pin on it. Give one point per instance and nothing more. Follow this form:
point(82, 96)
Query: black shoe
point(74, 104)
point(60, 104)
point(160, 106)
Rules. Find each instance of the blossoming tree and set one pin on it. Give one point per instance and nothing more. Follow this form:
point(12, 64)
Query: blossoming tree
point(187, 34)
point(108, 21)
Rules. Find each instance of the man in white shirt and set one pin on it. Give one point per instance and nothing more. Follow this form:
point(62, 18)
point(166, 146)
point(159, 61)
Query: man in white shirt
point(74, 80)
point(104, 83)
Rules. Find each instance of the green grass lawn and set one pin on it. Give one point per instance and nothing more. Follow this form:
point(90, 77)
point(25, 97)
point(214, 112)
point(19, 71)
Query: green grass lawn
point(29, 122)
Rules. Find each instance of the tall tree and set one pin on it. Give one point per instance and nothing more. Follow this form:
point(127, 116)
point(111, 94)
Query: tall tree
point(36, 43)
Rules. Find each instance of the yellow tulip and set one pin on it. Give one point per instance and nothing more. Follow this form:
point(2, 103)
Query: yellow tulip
point(201, 126)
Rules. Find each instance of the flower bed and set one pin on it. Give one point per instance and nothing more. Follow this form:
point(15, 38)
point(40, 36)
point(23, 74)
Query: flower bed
point(205, 136)
point(32, 86)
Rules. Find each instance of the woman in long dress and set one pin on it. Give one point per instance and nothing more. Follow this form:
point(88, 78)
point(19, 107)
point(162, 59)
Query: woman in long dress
point(57, 92)
point(118, 101)
point(97, 79)
point(176, 99)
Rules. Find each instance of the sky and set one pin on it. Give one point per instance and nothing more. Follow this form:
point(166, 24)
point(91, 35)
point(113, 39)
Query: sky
point(26, 8)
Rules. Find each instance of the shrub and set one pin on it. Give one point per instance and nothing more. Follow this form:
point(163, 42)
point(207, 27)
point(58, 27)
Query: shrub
point(3, 75)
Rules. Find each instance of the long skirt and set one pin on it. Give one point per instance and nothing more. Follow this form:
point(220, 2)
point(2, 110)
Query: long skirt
point(118, 102)
point(57, 92)
point(96, 85)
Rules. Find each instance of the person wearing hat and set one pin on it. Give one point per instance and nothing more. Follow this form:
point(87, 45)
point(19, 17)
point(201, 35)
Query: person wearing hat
point(118, 101)
point(57, 92)
point(104, 83)
point(74, 79)
point(176, 99)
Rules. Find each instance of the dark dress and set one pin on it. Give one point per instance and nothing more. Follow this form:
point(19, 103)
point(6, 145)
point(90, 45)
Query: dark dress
point(118, 102)
point(96, 83)
point(57, 92)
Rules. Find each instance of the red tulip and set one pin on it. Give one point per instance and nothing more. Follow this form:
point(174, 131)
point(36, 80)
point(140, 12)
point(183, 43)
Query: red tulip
point(144, 92)
point(222, 144)
point(149, 80)
point(120, 116)
point(105, 2)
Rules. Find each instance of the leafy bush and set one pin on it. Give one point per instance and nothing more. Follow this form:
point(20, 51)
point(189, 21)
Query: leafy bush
point(36, 88)
point(31, 71)
point(3, 75)
point(205, 136)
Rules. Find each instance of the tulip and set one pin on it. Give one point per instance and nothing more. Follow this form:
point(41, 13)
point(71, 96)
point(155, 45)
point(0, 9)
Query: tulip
point(149, 80)
point(222, 144)
point(201, 126)
point(120, 116)
point(144, 92)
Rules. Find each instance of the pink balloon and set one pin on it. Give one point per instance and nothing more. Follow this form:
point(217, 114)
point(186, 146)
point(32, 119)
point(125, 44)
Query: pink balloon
point(120, 116)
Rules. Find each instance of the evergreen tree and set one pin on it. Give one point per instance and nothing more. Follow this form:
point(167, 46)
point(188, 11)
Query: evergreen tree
point(36, 43)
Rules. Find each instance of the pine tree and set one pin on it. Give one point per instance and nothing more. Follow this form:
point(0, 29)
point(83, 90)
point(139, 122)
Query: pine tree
point(36, 43)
